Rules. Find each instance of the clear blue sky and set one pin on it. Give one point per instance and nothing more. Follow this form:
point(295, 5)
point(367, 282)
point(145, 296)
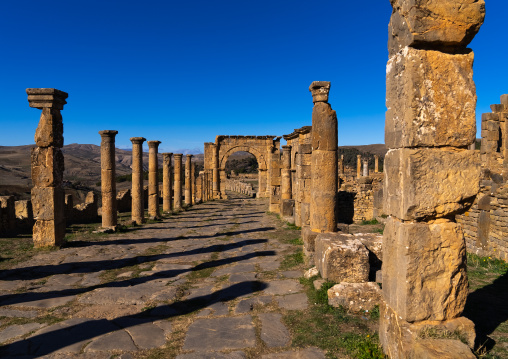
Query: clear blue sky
point(183, 72)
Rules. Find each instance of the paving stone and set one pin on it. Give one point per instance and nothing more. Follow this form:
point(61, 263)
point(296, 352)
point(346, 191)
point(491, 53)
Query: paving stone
point(10, 285)
point(17, 330)
point(293, 301)
point(63, 280)
point(293, 274)
point(308, 353)
point(242, 277)
point(38, 300)
point(4, 312)
point(119, 340)
point(269, 265)
point(146, 335)
point(232, 355)
point(273, 332)
point(248, 305)
point(221, 334)
point(91, 279)
point(281, 287)
point(239, 268)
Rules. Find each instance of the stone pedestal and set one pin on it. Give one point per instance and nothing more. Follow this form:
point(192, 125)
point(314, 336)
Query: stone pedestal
point(430, 175)
point(167, 179)
point(108, 179)
point(47, 168)
point(188, 184)
point(138, 208)
point(153, 180)
point(178, 182)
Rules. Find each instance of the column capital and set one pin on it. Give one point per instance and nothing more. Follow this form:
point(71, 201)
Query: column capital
point(189, 155)
point(108, 133)
point(178, 155)
point(320, 90)
point(137, 140)
point(286, 148)
point(167, 154)
point(46, 98)
point(153, 144)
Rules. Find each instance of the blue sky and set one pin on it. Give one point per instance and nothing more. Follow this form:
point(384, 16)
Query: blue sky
point(182, 72)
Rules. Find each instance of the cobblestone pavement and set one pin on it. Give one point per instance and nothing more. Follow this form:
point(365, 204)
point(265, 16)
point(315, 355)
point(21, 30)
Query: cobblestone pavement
point(205, 283)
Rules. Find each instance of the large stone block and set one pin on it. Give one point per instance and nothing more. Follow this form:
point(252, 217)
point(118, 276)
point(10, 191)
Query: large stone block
point(445, 24)
point(424, 271)
point(324, 128)
point(429, 183)
point(341, 258)
point(49, 233)
point(431, 99)
point(47, 166)
point(48, 203)
point(49, 132)
point(355, 297)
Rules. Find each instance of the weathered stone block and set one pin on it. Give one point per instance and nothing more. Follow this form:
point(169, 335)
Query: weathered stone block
point(47, 166)
point(441, 349)
point(445, 24)
point(49, 233)
point(431, 99)
point(48, 203)
point(425, 278)
point(46, 98)
point(324, 128)
point(428, 183)
point(355, 297)
point(24, 209)
point(305, 149)
point(49, 132)
point(341, 258)
point(288, 206)
point(309, 239)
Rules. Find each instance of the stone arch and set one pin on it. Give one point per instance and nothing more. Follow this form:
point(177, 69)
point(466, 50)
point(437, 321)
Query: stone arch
point(223, 157)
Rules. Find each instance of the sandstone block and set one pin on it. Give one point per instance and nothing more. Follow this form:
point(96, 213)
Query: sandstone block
point(305, 149)
point(441, 349)
point(427, 183)
point(446, 24)
point(46, 98)
point(48, 203)
point(49, 132)
point(425, 278)
point(341, 258)
point(309, 239)
point(355, 297)
point(288, 206)
point(431, 99)
point(47, 166)
point(324, 128)
point(49, 233)
point(24, 209)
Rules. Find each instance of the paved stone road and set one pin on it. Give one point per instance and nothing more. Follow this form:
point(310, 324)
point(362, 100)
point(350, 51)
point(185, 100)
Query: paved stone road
point(202, 284)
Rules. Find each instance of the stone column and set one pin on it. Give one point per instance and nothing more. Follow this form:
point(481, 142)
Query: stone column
point(193, 183)
point(108, 179)
point(358, 166)
point(48, 196)
point(376, 164)
point(153, 180)
point(167, 178)
point(205, 186)
point(366, 167)
point(188, 185)
point(177, 172)
point(430, 175)
point(215, 173)
point(341, 165)
point(138, 202)
point(210, 184)
point(286, 191)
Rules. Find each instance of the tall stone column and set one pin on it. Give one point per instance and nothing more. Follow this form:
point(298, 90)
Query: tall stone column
point(48, 196)
point(286, 191)
point(215, 173)
point(167, 178)
point(341, 165)
point(205, 186)
point(210, 184)
point(430, 175)
point(376, 163)
point(358, 166)
point(193, 183)
point(108, 179)
point(188, 185)
point(138, 201)
point(153, 180)
point(366, 167)
point(177, 173)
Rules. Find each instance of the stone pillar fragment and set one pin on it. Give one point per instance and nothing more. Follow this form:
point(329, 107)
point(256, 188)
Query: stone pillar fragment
point(286, 192)
point(188, 185)
point(138, 203)
point(341, 165)
point(153, 180)
point(177, 173)
point(358, 166)
point(376, 163)
point(324, 161)
point(108, 179)
point(48, 197)
point(193, 183)
point(215, 172)
point(430, 170)
point(365, 167)
point(167, 178)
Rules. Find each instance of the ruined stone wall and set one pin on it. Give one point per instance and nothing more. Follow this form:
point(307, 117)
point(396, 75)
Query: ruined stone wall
point(485, 224)
point(239, 187)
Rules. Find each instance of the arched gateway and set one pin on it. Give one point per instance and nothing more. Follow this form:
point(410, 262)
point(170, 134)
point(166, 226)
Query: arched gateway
point(217, 154)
